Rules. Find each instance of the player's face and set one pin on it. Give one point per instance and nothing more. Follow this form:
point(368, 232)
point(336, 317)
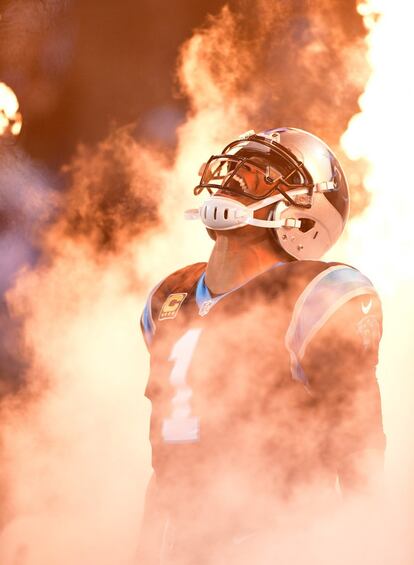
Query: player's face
point(254, 181)
point(247, 180)
point(240, 176)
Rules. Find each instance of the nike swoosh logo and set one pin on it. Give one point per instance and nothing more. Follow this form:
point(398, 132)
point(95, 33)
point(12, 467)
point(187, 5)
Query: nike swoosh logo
point(366, 307)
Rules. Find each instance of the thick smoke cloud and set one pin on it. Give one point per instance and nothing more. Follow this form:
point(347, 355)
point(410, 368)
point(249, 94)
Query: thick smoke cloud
point(75, 447)
point(114, 194)
point(26, 205)
point(274, 64)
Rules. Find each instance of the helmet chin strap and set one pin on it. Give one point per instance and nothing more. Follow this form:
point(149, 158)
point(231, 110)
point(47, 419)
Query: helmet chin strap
point(223, 213)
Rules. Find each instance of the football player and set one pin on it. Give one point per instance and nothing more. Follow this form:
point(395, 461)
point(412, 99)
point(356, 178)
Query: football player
point(262, 381)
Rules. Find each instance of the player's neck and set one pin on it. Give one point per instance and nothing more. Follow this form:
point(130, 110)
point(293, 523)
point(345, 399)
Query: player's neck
point(234, 261)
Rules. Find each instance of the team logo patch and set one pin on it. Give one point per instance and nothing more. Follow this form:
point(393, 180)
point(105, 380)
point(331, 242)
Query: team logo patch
point(370, 332)
point(171, 306)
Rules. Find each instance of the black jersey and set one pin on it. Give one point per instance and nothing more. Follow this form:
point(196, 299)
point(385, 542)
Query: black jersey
point(261, 389)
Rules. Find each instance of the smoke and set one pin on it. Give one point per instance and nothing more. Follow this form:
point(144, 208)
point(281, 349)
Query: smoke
point(270, 64)
point(26, 204)
point(115, 191)
point(381, 245)
point(75, 441)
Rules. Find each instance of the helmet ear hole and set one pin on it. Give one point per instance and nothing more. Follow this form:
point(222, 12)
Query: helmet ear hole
point(306, 224)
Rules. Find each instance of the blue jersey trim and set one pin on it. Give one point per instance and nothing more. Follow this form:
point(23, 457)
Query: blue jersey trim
point(322, 297)
point(147, 323)
point(202, 292)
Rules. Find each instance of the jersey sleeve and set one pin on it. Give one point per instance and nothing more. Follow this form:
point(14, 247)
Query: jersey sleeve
point(334, 347)
point(182, 280)
point(147, 321)
point(324, 296)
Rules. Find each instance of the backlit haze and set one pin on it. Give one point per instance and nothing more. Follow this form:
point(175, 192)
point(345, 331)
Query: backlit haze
point(75, 452)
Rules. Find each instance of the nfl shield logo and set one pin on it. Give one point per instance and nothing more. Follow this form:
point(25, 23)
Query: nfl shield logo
point(205, 307)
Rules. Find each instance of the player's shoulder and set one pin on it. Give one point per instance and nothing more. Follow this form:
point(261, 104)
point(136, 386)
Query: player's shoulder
point(337, 299)
point(309, 278)
point(327, 276)
point(176, 285)
point(333, 285)
point(182, 280)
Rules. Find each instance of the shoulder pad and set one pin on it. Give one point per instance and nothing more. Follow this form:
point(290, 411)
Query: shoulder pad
point(321, 298)
point(184, 278)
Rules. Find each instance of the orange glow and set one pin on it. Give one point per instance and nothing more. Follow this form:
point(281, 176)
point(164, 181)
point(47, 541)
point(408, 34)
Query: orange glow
point(381, 133)
point(10, 117)
point(76, 447)
point(380, 242)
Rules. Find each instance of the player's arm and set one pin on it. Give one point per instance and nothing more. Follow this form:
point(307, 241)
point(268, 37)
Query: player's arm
point(341, 364)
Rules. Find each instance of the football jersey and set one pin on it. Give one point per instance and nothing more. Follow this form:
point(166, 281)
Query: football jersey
point(261, 389)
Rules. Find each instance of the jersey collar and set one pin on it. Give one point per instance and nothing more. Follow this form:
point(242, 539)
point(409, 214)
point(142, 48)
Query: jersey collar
point(205, 301)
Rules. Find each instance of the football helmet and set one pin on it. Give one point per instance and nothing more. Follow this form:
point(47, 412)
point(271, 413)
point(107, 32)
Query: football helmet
point(289, 170)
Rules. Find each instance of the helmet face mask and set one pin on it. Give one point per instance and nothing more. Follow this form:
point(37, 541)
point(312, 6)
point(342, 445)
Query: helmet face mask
point(228, 174)
point(276, 168)
point(292, 172)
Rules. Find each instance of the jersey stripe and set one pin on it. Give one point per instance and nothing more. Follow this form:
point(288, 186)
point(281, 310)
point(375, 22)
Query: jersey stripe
point(322, 297)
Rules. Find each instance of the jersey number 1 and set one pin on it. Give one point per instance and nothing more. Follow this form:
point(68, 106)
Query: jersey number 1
point(181, 427)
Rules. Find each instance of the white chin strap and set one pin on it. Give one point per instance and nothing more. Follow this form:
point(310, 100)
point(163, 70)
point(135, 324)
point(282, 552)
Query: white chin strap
point(222, 213)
